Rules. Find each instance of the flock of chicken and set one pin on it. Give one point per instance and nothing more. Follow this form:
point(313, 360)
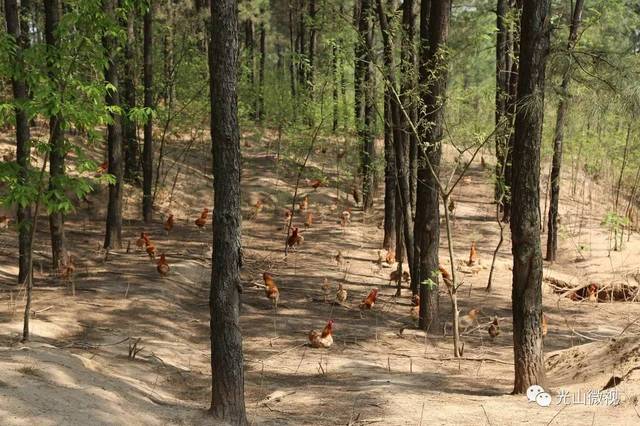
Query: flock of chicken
point(145, 242)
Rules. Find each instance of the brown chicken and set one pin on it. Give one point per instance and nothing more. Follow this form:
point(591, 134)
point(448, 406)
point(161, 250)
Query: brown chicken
point(544, 325)
point(592, 291)
point(67, 269)
point(345, 218)
point(168, 224)
point(473, 255)
point(163, 266)
point(102, 168)
point(326, 289)
point(341, 295)
point(271, 289)
point(142, 241)
point(295, 239)
point(395, 276)
point(4, 222)
point(415, 313)
point(446, 276)
point(202, 220)
point(151, 249)
point(468, 320)
point(322, 339)
point(415, 300)
point(339, 259)
point(309, 220)
point(390, 257)
point(494, 328)
point(304, 204)
point(356, 194)
point(257, 208)
point(314, 183)
point(370, 300)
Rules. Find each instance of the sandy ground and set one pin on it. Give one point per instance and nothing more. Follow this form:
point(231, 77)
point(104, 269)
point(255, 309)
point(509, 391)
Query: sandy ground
point(77, 370)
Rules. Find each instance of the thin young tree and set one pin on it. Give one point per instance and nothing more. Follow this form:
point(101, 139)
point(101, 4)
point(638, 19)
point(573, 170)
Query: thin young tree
point(226, 340)
point(56, 135)
point(526, 293)
point(18, 29)
point(364, 99)
point(131, 165)
point(558, 136)
point(502, 91)
point(147, 149)
point(113, 234)
point(409, 69)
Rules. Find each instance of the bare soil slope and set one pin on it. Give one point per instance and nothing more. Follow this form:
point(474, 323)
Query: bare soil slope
point(77, 369)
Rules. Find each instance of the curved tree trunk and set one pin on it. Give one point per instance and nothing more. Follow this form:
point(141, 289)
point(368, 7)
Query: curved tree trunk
point(17, 26)
point(226, 340)
point(526, 293)
point(552, 229)
point(147, 150)
point(56, 140)
point(113, 235)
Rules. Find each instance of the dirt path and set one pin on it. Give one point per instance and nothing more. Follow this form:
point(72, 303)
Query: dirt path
point(77, 368)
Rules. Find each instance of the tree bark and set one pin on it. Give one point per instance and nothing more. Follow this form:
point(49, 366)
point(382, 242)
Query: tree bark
point(263, 58)
point(56, 139)
point(292, 50)
point(525, 218)
point(313, 36)
point(502, 92)
point(302, 29)
point(131, 166)
point(249, 44)
point(399, 143)
point(147, 149)
point(558, 137)
point(364, 100)
point(168, 56)
point(336, 83)
point(390, 185)
point(226, 339)
point(113, 234)
point(511, 113)
point(409, 67)
point(433, 79)
point(17, 27)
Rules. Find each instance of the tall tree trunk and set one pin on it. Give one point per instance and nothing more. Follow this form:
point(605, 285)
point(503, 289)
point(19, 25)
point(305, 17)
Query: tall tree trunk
point(263, 58)
point(113, 235)
point(552, 236)
point(56, 138)
point(226, 340)
point(302, 71)
point(400, 149)
point(292, 51)
point(168, 54)
point(511, 112)
point(409, 68)
point(131, 166)
point(147, 150)
point(526, 293)
point(364, 102)
point(313, 36)
point(17, 27)
point(502, 92)
point(336, 83)
point(249, 43)
point(390, 186)
point(433, 79)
